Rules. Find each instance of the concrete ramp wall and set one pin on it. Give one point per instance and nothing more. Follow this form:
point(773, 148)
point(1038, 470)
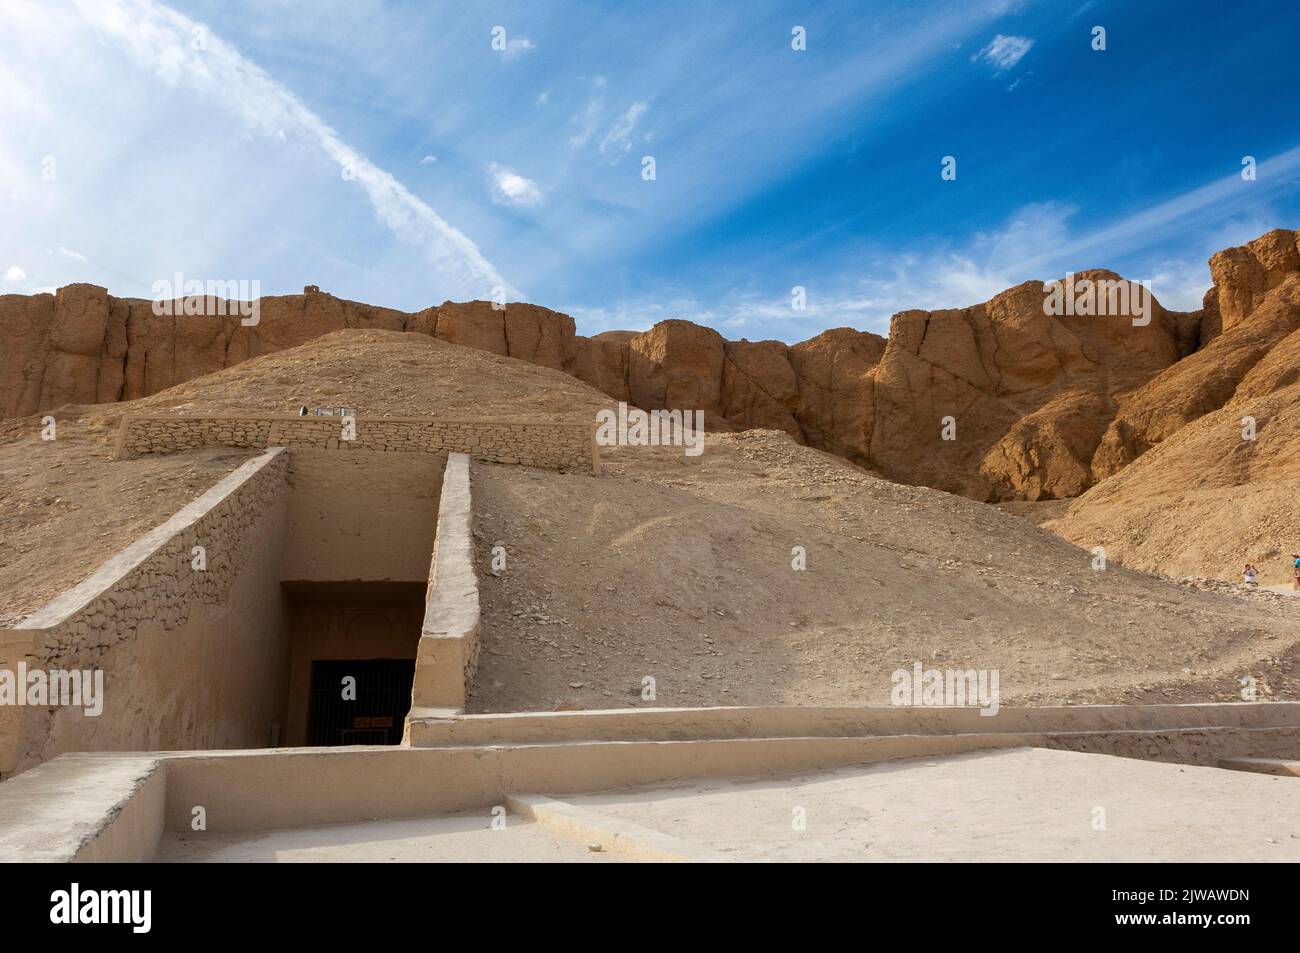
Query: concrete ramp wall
point(189, 657)
point(449, 638)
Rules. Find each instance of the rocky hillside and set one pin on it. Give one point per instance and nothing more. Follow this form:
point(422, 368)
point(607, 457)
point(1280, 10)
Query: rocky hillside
point(1218, 486)
point(1043, 406)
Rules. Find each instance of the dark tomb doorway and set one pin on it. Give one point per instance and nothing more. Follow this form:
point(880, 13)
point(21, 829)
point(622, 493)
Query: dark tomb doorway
point(377, 713)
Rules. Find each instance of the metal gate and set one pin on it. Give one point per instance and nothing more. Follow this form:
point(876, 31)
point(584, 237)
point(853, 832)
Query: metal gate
point(373, 714)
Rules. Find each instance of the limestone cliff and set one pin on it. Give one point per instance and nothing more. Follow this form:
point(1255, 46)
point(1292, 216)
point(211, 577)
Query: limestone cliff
point(1042, 405)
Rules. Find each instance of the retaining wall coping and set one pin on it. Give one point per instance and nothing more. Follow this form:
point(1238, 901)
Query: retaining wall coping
point(427, 418)
point(776, 721)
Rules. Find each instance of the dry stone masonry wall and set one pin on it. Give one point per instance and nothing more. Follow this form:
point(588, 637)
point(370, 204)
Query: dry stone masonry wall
point(161, 586)
point(546, 444)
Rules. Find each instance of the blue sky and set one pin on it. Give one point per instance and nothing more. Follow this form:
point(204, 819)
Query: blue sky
point(386, 151)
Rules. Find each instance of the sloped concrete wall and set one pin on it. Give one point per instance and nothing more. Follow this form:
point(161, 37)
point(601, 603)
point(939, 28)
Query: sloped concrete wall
point(191, 657)
point(449, 638)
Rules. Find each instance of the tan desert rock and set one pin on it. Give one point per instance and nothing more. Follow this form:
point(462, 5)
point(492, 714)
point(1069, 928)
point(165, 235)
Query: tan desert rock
point(1029, 394)
point(1243, 275)
point(1200, 383)
point(1044, 405)
point(1207, 455)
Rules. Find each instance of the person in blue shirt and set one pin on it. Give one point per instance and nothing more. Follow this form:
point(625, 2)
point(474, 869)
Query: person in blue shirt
point(1295, 584)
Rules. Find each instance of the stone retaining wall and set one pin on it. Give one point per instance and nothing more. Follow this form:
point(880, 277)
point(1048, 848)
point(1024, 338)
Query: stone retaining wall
point(191, 658)
point(553, 445)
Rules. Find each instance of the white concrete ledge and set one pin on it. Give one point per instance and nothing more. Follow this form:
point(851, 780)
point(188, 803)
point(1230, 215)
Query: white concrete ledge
point(449, 638)
point(614, 835)
point(83, 809)
point(682, 724)
point(103, 806)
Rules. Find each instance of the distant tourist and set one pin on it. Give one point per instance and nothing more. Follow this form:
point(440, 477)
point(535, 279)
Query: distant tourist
point(1295, 582)
point(1250, 574)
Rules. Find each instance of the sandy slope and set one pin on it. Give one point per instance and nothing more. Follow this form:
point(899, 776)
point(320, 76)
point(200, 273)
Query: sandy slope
point(67, 507)
point(680, 569)
point(1205, 502)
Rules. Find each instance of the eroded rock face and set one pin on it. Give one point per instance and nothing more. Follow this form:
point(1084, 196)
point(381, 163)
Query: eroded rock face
point(1023, 396)
point(1244, 275)
point(1206, 380)
point(1040, 405)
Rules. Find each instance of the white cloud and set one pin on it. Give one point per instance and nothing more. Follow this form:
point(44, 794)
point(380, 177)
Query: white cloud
point(69, 253)
point(428, 160)
point(878, 288)
point(586, 123)
point(509, 188)
point(1192, 208)
point(15, 275)
point(620, 134)
point(158, 39)
point(520, 45)
point(1181, 285)
point(1004, 52)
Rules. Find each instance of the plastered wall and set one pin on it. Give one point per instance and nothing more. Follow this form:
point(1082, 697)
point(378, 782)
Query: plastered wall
point(364, 515)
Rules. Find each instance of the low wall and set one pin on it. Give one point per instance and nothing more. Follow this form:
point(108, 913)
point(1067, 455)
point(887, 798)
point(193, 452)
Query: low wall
point(686, 724)
point(191, 658)
point(550, 445)
point(283, 788)
point(1203, 746)
point(449, 637)
point(66, 809)
point(83, 809)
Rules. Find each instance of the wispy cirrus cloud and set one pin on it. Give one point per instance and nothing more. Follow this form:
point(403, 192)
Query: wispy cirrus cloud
point(184, 53)
point(1004, 52)
point(619, 137)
